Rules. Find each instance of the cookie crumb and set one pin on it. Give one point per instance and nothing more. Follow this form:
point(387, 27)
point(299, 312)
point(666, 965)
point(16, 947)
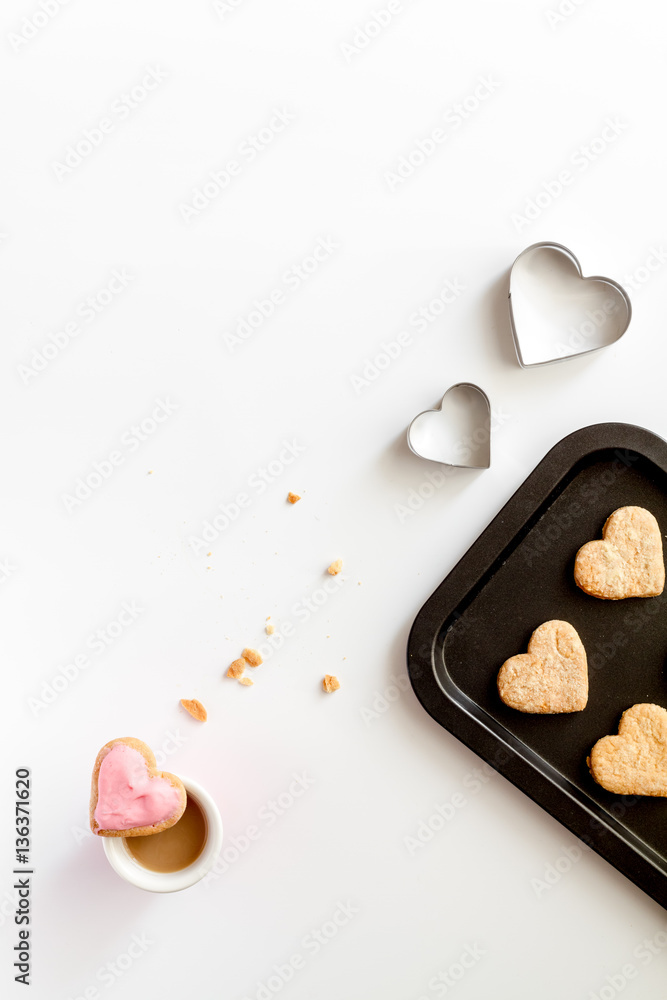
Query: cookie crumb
point(335, 567)
point(330, 683)
point(236, 668)
point(246, 682)
point(270, 629)
point(195, 709)
point(252, 657)
point(293, 497)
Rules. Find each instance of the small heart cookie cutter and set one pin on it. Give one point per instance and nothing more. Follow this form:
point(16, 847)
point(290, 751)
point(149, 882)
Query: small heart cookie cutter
point(423, 445)
point(539, 303)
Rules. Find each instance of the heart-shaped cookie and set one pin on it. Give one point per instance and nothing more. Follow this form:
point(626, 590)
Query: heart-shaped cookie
point(129, 796)
point(627, 562)
point(552, 677)
point(556, 313)
point(635, 761)
point(458, 432)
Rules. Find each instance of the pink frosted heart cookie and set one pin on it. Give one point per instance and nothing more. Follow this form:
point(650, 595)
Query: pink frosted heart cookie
point(129, 796)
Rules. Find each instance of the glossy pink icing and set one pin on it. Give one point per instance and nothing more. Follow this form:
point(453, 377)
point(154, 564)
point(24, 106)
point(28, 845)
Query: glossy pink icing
point(127, 796)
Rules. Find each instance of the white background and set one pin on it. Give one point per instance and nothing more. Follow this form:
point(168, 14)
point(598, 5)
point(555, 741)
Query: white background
point(375, 779)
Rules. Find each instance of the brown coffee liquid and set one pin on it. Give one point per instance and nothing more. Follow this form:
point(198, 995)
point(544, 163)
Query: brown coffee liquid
point(175, 848)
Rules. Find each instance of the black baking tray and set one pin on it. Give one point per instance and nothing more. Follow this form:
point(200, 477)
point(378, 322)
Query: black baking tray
point(518, 574)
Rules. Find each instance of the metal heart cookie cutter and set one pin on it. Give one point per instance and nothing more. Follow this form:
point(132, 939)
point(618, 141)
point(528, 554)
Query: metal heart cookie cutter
point(556, 313)
point(457, 432)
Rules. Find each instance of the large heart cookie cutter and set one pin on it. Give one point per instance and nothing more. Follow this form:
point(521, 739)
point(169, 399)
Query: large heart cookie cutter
point(459, 436)
point(556, 313)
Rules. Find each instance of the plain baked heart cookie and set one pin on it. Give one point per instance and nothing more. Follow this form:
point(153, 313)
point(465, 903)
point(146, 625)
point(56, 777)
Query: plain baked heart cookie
point(635, 761)
point(552, 677)
point(627, 562)
point(129, 796)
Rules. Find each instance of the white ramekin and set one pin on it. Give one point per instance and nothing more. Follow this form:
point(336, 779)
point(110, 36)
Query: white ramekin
point(126, 865)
